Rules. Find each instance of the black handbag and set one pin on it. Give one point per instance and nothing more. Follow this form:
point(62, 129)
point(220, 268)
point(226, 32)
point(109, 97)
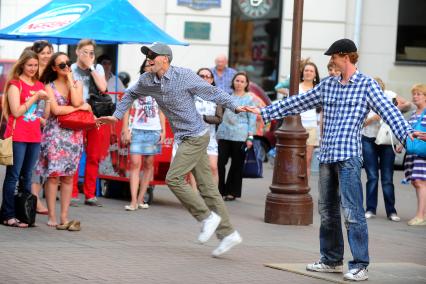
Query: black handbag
point(102, 105)
point(253, 164)
point(25, 207)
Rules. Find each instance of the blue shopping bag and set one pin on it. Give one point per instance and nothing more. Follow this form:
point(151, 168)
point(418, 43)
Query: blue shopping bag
point(253, 164)
point(417, 146)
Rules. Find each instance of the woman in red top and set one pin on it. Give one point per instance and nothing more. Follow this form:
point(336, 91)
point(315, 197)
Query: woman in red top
point(23, 91)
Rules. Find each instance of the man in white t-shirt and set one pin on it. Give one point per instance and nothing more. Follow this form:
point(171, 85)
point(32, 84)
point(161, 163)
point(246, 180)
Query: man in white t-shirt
point(83, 70)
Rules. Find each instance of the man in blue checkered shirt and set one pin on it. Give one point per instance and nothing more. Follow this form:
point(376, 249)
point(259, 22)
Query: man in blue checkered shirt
point(174, 89)
point(346, 101)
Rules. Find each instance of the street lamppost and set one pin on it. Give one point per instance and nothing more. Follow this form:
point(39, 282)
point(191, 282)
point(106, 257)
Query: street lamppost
point(289, 202)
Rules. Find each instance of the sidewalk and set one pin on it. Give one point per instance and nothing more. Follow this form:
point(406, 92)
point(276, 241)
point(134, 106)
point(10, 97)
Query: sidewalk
point(159, 245)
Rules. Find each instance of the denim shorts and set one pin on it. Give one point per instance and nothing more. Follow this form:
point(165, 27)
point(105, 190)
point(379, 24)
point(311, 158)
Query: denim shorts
point(145, 142)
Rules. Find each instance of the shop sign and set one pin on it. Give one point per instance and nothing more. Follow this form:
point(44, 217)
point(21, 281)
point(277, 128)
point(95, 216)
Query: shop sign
point(197, 30)
point(200, 4)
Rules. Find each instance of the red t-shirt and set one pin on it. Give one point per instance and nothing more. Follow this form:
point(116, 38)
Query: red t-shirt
point(27, 127)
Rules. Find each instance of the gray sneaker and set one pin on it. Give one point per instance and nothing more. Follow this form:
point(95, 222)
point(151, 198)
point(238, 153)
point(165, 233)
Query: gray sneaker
point(93, 202)
point(322, 267)
point(356, 274)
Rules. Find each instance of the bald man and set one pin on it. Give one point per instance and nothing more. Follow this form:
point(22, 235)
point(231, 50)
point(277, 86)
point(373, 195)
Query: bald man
point(223, 74)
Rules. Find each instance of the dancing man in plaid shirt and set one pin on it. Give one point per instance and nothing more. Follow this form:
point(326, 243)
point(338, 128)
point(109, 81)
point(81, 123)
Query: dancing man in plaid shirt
point(346, 101)
point(174, 89)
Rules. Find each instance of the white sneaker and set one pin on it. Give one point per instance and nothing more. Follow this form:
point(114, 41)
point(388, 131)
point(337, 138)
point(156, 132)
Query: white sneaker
point(356, 274)
point(209, 227)
point(321, 267)
point(369, 215)
point(227, 243)
point(394, 217)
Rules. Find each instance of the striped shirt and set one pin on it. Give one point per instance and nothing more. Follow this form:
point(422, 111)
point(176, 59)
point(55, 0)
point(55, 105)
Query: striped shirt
point(415, 166)
point(345, 108)
point(175, 93)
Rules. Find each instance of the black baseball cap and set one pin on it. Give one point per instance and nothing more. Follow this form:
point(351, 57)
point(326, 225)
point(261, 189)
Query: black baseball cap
point(341, 46)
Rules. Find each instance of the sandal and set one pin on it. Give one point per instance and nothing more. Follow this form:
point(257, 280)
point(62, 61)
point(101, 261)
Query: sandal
point(75, 226)
point(15, 223)
point(64, 226)
point(131, 208)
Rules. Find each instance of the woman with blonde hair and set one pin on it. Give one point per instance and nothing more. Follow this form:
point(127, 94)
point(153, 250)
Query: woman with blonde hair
point(22, 92)
point(415, 166)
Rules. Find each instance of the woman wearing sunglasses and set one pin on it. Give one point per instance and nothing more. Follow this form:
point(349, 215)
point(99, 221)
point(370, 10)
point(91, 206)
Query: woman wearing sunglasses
point(60, 148)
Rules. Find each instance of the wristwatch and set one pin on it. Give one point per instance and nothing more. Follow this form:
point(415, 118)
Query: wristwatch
point(92, 68)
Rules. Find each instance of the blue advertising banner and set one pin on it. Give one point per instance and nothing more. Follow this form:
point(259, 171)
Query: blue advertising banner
point(106, 21)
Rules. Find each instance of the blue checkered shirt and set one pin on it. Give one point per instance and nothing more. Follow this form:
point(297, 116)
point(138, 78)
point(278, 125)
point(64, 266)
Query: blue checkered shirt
point(174, 93)
point(345, 108)
point(225, 81)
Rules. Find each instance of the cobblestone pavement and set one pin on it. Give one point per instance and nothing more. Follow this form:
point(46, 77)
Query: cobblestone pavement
point(159, 245)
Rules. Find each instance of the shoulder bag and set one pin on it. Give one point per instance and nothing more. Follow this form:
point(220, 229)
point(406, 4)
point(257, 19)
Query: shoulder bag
point(417, 146)
point(77, 120)
point(102, 105)
point(6, 147)
point(385, 135)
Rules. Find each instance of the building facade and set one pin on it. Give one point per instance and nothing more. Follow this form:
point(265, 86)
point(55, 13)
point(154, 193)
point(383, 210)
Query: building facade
point(256, 35)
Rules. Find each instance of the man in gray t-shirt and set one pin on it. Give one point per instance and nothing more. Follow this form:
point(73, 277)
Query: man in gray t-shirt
point(82, 70)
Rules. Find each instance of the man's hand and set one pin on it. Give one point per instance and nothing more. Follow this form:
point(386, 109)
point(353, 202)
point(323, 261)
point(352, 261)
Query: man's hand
point(105, 120)
point(251, 109)
point(418, 134)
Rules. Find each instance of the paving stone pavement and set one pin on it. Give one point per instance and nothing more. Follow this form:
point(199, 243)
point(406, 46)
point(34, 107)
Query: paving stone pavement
point(158, 245)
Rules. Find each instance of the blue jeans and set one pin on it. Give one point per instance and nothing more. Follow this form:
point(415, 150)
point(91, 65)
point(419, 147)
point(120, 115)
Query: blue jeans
point(25, 156)
point(378, 157)
point(340, 185)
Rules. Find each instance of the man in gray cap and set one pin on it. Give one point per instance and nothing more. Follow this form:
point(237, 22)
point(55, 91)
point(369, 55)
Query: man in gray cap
point(346, 101)
point(174, 89)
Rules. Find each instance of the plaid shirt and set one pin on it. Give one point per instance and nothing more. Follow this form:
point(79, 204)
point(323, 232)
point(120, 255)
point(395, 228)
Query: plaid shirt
point(345, 108)
point(174, 93)
point(225, 81)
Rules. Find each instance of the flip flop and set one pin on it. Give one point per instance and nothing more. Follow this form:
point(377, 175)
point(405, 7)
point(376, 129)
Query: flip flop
point(16, 223)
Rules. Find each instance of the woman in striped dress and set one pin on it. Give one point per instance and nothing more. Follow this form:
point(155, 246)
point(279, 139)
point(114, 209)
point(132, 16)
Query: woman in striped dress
point(415, 166)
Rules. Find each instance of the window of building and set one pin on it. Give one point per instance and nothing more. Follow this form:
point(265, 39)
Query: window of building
point(255, 40)
point(411, 34)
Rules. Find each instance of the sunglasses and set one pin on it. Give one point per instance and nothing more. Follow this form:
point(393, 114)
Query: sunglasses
point(205, 76)
point(152, 55)
point(63, 65)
